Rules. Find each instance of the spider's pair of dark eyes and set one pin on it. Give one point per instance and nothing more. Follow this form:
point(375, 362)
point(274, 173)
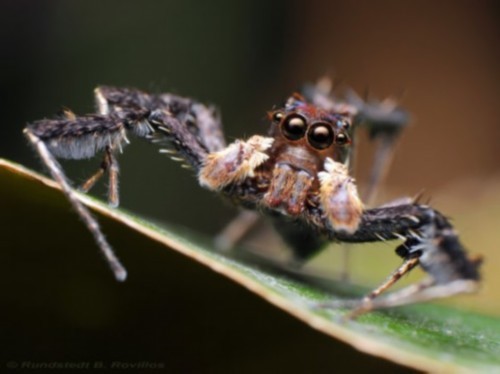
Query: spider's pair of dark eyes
point(319, 135)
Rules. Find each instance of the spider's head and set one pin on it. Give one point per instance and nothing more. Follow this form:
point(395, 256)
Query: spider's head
point(300, 125)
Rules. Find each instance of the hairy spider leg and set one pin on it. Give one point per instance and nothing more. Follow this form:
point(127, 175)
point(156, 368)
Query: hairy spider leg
point(190, 125)
point(80, 137)
point(191, 129)
point(185, 144)
point(430, 242)
point(90, 182)
point(108, 164)
point(206, 120)
point(202, 121)
point(113, 178)
point(135, 108)
point(406, 267)
point(56, 171)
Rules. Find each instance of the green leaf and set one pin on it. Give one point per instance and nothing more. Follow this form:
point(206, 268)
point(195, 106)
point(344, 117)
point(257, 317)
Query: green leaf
point(426, 337)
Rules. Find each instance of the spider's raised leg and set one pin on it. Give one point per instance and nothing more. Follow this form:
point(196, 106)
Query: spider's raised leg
point(202, 121)
point(194, 130)
point(196, 127)
point(196, 137)
point(81, 137)
point(121, 111)
point(61, 140)
point(185, 144)
point(205, 124)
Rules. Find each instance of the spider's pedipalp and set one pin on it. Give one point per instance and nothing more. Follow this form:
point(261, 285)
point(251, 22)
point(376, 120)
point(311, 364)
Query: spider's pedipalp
point(339, 197)
point(235, 163)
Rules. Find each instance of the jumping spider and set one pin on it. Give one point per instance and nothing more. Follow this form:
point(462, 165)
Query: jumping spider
point(298, 175)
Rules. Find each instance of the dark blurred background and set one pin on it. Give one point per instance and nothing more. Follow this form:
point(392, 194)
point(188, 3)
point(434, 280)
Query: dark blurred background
point(246, 56)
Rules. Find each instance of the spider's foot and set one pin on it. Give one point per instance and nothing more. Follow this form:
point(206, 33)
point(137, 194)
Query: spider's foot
point(338, 304)
point(355, 307)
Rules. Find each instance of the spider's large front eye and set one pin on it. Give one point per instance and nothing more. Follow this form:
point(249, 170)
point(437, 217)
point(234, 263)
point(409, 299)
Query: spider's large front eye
point(320, 136)
point(294, 127)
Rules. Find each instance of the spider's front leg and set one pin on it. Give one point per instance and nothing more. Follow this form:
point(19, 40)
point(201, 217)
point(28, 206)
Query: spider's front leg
point(429, 241)
point(196, 136)
point(216, 169)
point(75, 138)
point(121, 112)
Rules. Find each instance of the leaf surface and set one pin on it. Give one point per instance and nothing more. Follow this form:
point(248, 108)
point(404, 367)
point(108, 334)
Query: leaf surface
point(427, 337)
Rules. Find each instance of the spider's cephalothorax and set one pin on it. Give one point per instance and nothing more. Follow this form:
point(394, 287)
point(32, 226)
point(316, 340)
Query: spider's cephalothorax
point(298, 175)
point(298, 169)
